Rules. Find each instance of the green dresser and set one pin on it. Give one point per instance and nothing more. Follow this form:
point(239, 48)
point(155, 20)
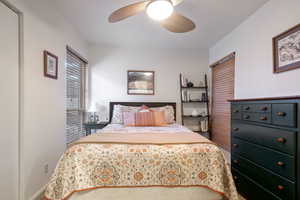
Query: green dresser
point(265, 147)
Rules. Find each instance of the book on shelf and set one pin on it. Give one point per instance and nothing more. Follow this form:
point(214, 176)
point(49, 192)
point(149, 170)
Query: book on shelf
point(185, 96)
point(183, 81)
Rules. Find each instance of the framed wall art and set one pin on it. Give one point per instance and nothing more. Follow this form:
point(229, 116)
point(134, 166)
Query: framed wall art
point(140, 82)
point(50, 65)
point(286, 50)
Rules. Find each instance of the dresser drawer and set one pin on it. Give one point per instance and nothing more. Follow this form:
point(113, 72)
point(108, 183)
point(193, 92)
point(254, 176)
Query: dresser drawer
point(284, 114)
point(249, 189)
point(236, 111)
point(257, 117)
point(256, 108)
point(279, 186)
point(281, 140)
point(275, 161)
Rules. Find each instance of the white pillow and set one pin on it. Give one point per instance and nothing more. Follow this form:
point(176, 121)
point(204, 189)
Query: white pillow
point(118, 113)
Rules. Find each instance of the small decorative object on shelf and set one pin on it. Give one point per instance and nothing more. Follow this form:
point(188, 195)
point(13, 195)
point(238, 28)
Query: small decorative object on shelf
point(195, 113)
point(190, 84)
point(188, 93)
point(204, 97)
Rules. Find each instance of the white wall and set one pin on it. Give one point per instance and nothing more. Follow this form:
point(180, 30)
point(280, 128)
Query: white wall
point(43, 130)
point(252, 41)
point(109, 67)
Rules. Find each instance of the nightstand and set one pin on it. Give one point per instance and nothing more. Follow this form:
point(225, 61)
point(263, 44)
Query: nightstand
point(92, 126)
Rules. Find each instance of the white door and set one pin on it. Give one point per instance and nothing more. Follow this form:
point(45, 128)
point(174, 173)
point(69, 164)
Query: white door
point(9, 103)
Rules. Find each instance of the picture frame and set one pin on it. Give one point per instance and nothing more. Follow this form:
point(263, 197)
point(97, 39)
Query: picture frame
point(140, 82)
point(286, 50)
point(50, 65)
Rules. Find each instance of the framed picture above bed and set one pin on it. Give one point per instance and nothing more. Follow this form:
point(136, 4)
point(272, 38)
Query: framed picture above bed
point(140, 82)
point(286, 50)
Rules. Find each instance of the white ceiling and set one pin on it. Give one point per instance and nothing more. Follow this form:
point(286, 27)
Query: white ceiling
point(213, 18)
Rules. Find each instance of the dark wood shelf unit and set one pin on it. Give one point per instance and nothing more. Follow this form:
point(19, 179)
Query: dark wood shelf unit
point(191, 116)
point(186, 117)
point(194, 87)
point(194, 101)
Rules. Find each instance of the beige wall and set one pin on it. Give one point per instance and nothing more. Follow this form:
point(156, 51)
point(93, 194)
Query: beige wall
point(252, 42)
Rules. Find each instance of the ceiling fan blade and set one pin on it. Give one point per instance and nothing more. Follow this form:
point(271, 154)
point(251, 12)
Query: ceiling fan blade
point(127, 11)
point(178, 24)
point(176, 2)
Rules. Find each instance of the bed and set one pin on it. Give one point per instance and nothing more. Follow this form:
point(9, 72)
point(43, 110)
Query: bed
point(134, 163)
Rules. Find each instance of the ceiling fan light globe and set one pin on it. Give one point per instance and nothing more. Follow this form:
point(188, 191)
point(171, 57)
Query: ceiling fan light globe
point(160, 9)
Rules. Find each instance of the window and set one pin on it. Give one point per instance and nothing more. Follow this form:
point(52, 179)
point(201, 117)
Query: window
point(76, 73)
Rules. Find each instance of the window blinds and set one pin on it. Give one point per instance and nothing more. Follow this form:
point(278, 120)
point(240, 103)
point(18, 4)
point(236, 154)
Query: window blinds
point(75, 96)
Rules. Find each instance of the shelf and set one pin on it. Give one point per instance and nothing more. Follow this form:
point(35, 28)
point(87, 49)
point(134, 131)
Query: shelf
point(191, 116)
point(194, 101)
point(203, 87)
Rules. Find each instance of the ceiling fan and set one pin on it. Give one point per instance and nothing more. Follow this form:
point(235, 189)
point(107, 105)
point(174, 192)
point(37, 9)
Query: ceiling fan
point(160, 10)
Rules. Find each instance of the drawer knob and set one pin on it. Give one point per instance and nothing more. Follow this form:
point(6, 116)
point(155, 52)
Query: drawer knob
point(264, 118)
point(247, 108)
point(264, 108)
point(281, 140)
point(235, 145)
point(247, 116)
point(235, 161)
point(280, 164)
point(281, 114)
point(280, 187)
point(235, 111)
point(236, 129)
point(235, 177)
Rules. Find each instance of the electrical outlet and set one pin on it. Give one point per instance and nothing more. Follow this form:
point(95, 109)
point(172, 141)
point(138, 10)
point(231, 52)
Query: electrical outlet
point(46, 169)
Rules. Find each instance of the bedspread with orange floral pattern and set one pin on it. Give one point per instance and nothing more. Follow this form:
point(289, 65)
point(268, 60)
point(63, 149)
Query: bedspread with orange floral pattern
point(91, 166)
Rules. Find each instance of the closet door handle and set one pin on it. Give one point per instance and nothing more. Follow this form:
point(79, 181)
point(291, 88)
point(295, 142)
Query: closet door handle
point(236, 129)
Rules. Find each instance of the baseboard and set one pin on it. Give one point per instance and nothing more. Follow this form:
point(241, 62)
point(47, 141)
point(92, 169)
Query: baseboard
point(39, 194)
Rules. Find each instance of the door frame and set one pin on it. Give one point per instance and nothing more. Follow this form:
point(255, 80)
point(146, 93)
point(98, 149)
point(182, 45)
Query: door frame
point(215, 64)
point(20, 186)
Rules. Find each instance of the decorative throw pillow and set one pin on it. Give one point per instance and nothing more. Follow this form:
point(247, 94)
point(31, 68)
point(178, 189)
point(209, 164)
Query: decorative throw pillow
point(144, 118)
point(129, 118)
point(160, 118)
point(169, 113)
point(118, 113)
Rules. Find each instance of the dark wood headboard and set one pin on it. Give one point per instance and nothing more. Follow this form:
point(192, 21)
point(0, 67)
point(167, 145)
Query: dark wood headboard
point(149, 104)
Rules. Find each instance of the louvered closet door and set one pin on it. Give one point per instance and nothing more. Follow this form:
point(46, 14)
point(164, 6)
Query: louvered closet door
point(222, 91)
point(75, 76)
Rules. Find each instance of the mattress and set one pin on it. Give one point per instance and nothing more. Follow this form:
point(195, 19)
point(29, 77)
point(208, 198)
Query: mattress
point(130, 162)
